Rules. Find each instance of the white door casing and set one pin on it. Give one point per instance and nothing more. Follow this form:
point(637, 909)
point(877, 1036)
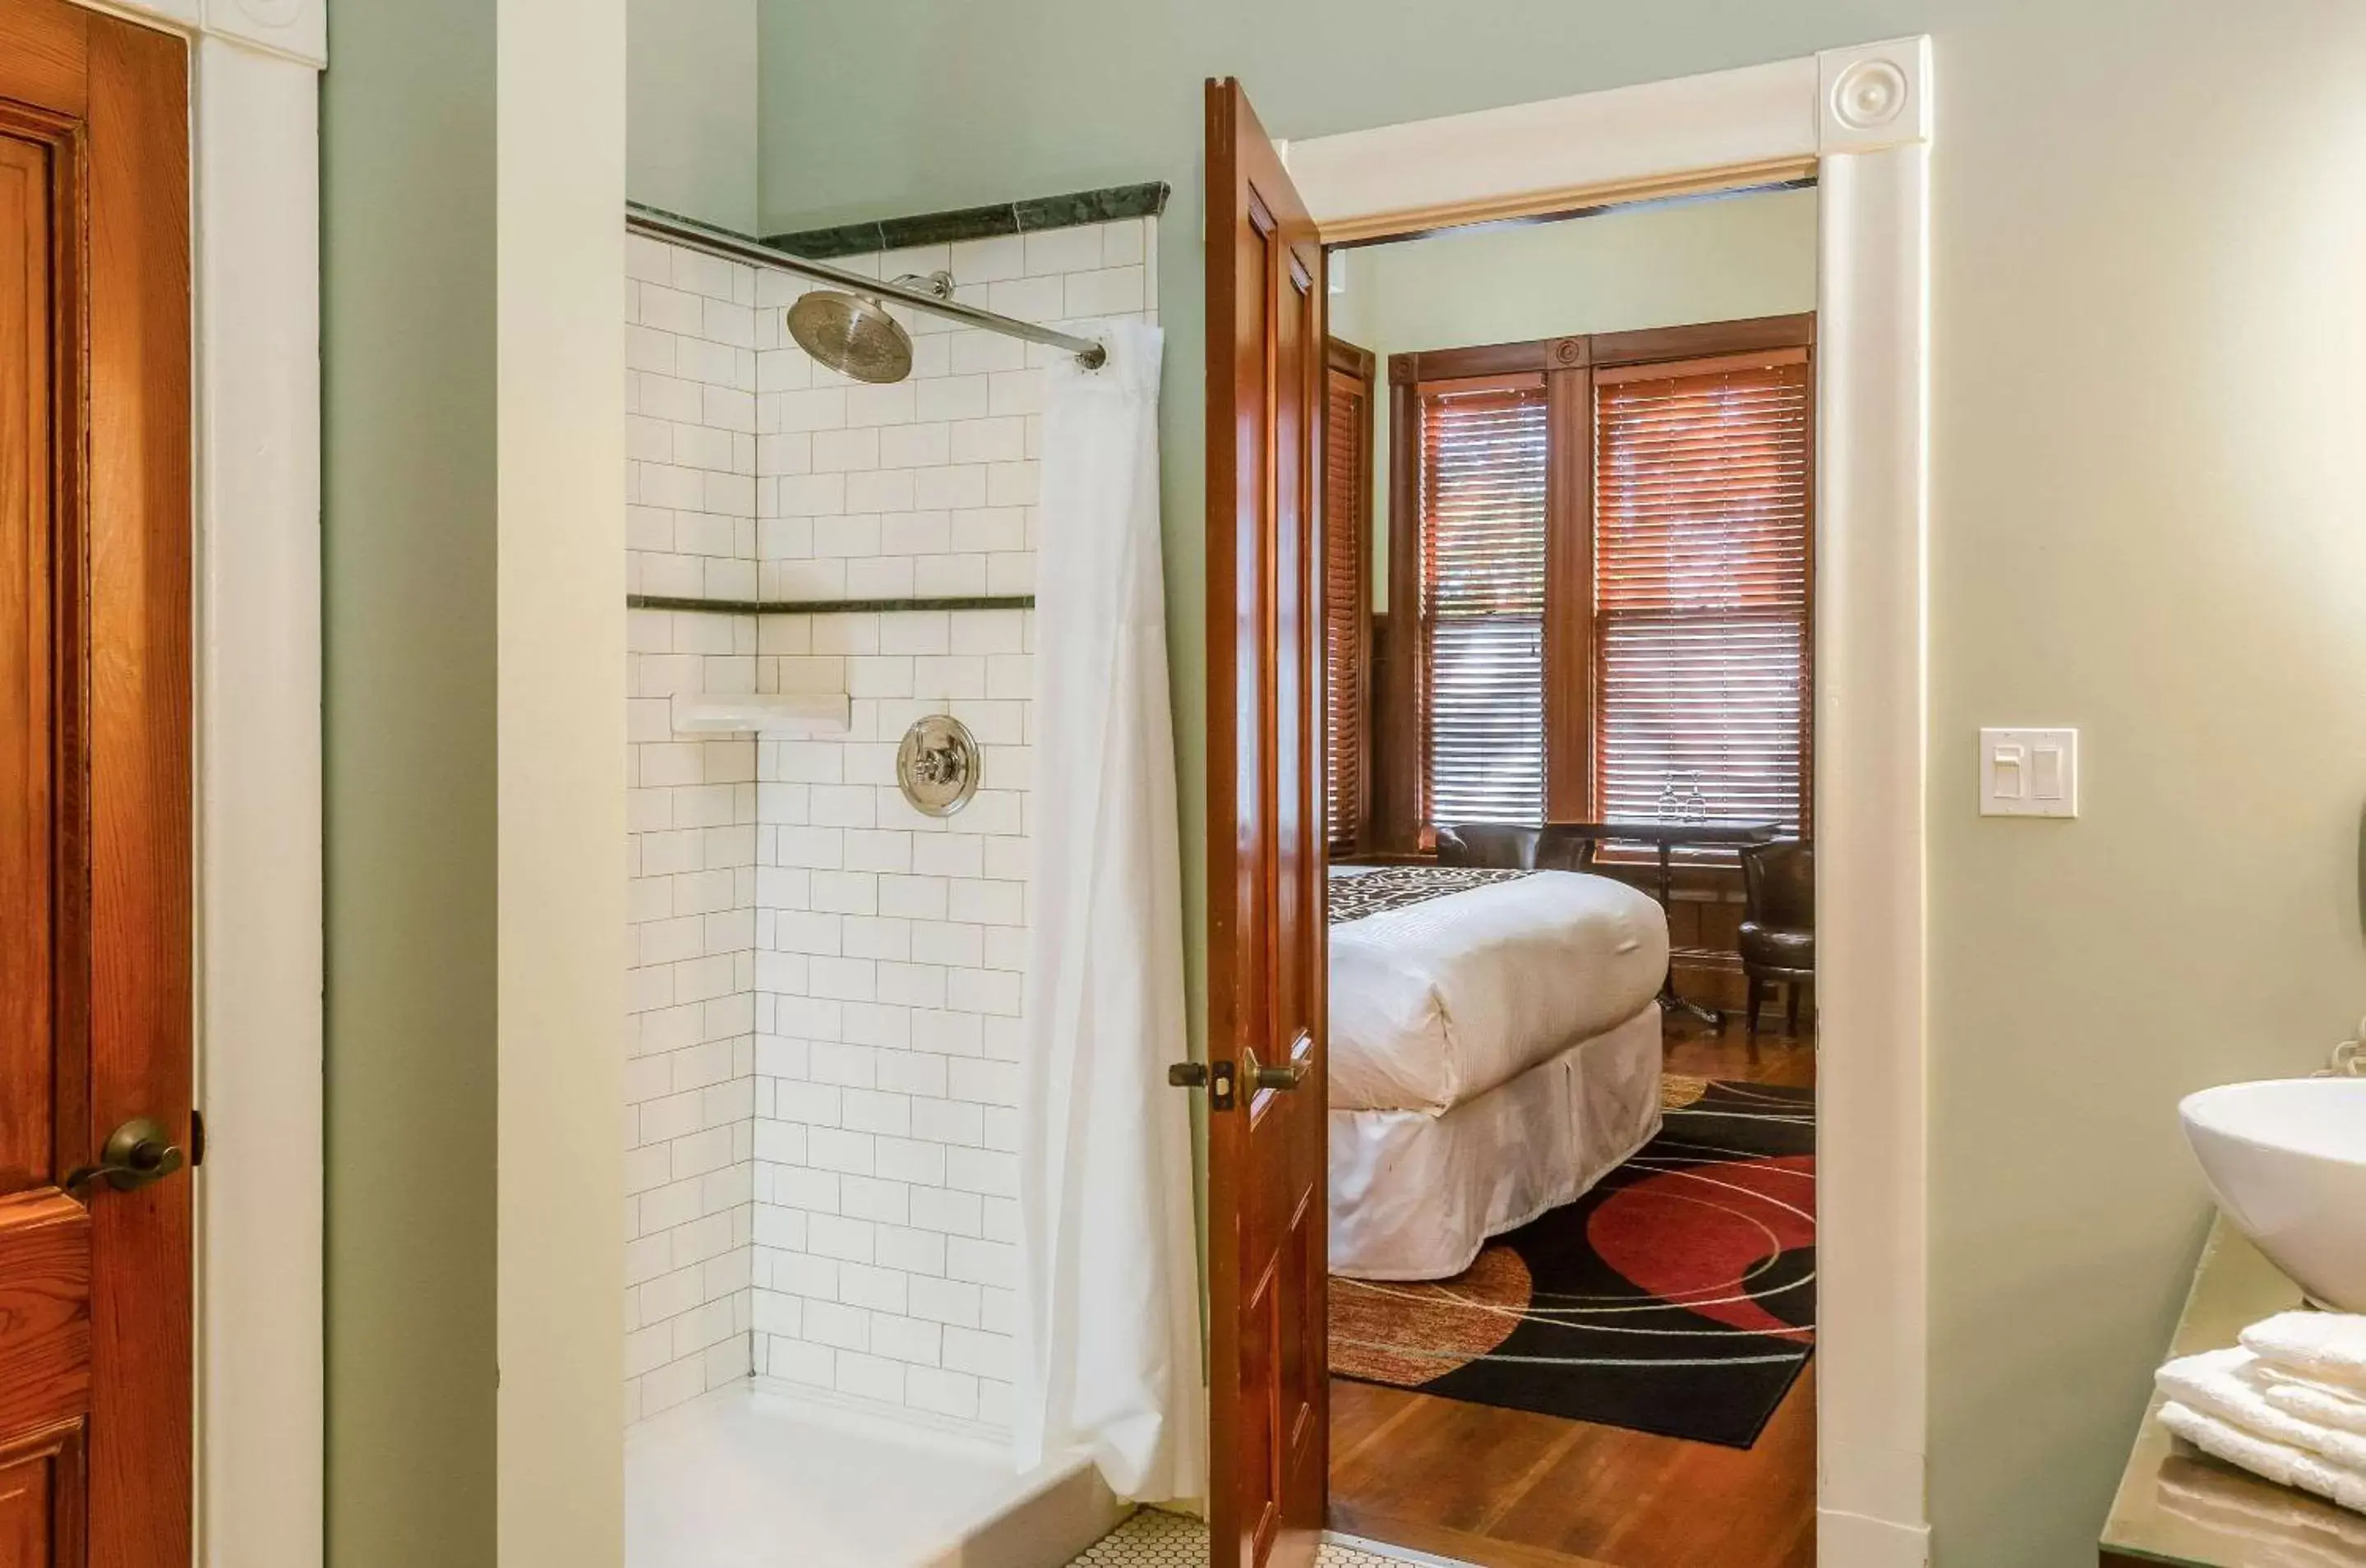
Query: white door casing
point(1859, 121)
point(254, 146)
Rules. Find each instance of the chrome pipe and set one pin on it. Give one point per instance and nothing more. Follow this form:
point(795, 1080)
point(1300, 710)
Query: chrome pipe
point(697, 236)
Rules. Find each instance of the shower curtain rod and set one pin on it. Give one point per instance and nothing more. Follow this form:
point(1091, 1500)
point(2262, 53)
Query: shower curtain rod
point(697, 236)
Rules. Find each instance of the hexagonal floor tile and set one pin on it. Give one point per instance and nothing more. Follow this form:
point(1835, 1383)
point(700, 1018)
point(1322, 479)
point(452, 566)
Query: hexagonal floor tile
point(1155, 1539)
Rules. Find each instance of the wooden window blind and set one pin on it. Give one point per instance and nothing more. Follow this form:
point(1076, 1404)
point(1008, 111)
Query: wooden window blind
point(1483, 495)
point(1702, 589)
point(1346, 593)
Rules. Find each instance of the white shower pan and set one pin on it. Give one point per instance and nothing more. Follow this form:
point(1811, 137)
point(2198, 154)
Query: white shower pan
point(747, 1478)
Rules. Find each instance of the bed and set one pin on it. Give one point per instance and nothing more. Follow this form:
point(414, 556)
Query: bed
point(1495, 1051)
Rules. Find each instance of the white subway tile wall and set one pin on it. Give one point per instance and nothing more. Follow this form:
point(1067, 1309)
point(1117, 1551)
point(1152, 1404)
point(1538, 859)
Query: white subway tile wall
point(889, 946)
point(689, 1082)
point(821, 1119)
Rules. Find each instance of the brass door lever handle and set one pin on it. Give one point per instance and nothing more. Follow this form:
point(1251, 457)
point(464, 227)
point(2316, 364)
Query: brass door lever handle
point(1289, 1075)
point(139, 1152)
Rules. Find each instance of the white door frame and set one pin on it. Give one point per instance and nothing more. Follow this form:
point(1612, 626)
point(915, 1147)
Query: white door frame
point(255, 164)
point(1858, 120)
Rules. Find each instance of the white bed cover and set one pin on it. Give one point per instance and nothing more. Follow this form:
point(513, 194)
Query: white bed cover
point(1416, 1196)
point(1437, 1002)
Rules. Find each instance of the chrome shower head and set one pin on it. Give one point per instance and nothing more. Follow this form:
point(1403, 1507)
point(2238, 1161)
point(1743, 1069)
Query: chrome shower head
point(853, 334)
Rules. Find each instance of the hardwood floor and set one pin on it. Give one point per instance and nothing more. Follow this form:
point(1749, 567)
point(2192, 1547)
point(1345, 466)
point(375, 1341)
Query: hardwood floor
point(1510, 1489)
point(1777, 1059)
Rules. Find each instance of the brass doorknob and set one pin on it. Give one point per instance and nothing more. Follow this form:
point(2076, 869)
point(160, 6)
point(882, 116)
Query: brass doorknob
point(139, 1152)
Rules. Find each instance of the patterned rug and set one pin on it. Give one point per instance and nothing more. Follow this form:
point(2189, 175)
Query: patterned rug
point(1677, 1297)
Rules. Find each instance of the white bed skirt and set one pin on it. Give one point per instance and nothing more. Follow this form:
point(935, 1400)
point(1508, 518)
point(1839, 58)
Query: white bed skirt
point(1414, 1196)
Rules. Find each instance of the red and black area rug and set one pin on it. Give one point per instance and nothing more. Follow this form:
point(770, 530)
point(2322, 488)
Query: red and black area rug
point(1677, 1297)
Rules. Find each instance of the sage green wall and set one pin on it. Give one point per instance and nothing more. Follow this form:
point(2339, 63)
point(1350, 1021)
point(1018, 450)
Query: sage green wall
point(1665, 264)
point(408, 511)
point(690, 107)
point(1669, 264)
point(2146, 244)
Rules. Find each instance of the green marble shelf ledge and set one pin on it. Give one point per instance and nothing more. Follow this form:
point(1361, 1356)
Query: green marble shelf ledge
point(1032, 216)
point(829, 606)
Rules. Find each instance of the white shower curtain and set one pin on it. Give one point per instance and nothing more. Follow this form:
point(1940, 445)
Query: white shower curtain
point(1110, 1313)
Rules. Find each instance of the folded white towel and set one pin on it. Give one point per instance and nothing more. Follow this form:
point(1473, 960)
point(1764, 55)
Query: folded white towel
point(2324, 1347)
point(2320, 1403)
point(2279, 1462)
point(2231, 1385)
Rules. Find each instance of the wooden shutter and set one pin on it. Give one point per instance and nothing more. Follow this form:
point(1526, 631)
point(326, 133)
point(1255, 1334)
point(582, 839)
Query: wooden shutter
point(1346, 591)
point(1482, 489)
point(1701, 587)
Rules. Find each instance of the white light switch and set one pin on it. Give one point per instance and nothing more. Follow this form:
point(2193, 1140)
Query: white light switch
point(2029, 772)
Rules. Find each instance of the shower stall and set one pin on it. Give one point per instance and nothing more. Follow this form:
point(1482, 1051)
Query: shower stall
point(836, 528)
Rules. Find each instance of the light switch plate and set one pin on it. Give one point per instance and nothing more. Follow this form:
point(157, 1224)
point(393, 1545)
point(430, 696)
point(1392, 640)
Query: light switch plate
point(2029, 772)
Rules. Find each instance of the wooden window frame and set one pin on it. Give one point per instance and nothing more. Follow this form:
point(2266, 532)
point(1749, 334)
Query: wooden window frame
point(1343, 358)
point(1570, 366)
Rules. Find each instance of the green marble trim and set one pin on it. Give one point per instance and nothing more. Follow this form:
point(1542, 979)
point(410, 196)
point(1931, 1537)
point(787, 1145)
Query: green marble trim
point(684, 217)
point(1104, 206)
point(710, 606)
point(829, 606)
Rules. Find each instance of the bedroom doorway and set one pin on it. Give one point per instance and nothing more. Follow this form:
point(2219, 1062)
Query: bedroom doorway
point(1567, 560)
point(1283, 407)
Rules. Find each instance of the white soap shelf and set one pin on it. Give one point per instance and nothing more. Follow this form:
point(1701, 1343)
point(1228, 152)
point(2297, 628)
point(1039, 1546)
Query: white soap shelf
point(788, 714)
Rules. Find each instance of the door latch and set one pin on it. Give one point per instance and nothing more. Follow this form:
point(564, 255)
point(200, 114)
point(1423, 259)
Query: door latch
point(1216, 1078)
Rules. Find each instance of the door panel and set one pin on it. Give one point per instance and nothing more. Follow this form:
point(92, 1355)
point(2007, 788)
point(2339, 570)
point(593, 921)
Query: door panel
point(94, 779)
point(1267, 1230)
point(42, 1498)
point(28, 1109)
point(44, 1310)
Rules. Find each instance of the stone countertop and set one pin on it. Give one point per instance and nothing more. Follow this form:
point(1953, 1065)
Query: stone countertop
point(2177, 1506)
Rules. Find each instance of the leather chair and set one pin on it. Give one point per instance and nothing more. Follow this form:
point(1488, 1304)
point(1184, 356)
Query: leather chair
point(1778, 926)
point(1510, 846)
point(1502, 845)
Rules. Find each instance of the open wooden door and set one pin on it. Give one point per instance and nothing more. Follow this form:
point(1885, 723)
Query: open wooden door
point(1267, 1230)
point(95, 896)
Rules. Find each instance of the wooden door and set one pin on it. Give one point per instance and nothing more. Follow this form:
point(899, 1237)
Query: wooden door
point(1267, 1222)
point(95, 933)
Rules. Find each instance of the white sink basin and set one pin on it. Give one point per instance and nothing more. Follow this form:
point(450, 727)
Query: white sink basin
point(2286, 1159)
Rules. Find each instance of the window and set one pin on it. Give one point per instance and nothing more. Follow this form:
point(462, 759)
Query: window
point(1700, 590)
point(1346, 590)
point(1483, 461)
point(1608, 573)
